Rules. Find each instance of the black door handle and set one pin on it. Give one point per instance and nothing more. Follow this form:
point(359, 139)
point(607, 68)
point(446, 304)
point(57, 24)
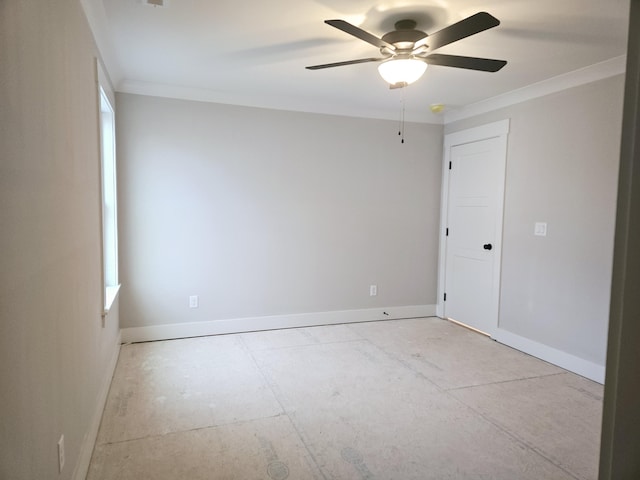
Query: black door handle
point(488, 246)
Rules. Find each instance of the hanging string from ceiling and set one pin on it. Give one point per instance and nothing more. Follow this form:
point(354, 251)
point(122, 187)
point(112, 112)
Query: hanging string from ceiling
point(401, 120)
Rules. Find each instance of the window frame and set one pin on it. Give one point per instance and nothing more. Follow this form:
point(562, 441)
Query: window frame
point(108, 201)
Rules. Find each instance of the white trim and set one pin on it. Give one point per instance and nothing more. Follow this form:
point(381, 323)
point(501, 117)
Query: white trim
point(104, 83)
point(252, 324)
point(96, 16)
point(499, 129)
point(586, 368)
point(89, 441)
point(592, 73)
point(108, 188)
point(483, 132)
point(111, 293)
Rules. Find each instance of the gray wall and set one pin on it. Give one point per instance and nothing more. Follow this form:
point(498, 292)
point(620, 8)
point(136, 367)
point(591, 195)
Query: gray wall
point(265, 212)
point(54, 352)
point(562, 166)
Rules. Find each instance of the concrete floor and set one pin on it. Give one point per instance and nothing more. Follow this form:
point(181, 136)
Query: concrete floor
point(404, 399)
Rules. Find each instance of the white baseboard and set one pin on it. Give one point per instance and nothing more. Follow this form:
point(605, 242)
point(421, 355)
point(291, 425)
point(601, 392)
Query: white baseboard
point(565, 360)
point(86, 449)
point(252, 324)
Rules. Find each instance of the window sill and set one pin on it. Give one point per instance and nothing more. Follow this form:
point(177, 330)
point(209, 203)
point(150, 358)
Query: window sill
point(110, 295)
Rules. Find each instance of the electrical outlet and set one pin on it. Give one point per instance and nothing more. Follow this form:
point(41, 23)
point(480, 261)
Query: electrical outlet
point(193, 301)
point(373, 290)
point(61, 453)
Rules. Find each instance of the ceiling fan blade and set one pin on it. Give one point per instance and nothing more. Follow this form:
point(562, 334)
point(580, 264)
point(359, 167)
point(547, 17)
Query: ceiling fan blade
point(464, 28)
point(359, 33)
point(348, 62)
point(470, 63)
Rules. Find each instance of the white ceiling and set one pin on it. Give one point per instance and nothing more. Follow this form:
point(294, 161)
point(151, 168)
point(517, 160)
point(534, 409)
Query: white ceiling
point(254, 52)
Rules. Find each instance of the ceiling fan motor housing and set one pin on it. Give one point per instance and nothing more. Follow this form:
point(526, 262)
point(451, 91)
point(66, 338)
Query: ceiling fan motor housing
point(405, 35)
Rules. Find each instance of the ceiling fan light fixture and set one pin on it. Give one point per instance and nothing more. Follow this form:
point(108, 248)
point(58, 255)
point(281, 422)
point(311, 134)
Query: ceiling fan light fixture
point(402, 70)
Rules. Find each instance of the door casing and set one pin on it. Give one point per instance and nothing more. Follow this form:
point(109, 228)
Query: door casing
point(500, 130)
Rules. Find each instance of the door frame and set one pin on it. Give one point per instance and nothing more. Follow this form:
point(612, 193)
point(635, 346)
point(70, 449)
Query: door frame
point(500, 130)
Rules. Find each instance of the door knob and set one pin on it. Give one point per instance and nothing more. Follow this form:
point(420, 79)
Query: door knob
point(487, 246)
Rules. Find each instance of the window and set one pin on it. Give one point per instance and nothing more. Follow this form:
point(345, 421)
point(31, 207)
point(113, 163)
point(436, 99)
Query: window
point(109, 202)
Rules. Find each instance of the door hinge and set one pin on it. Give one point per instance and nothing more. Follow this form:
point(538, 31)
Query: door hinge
point(447, 233)
point(445, 297)
point(449, 165)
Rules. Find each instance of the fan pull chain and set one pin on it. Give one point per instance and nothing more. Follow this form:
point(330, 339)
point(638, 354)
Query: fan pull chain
point(400, 120)
point(401, 131)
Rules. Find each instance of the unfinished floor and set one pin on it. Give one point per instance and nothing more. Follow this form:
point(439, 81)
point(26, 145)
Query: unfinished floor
point(404, 399)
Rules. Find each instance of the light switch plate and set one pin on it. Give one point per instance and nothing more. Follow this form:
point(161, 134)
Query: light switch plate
point(540, 229)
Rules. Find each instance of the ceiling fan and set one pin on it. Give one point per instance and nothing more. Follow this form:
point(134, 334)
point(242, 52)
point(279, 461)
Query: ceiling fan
point(406, 52)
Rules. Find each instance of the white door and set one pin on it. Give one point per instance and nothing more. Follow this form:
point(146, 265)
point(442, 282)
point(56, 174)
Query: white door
point(473, 232)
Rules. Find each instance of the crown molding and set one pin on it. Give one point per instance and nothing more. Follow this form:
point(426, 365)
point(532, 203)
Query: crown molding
point(582, 76)
point(274, 103)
